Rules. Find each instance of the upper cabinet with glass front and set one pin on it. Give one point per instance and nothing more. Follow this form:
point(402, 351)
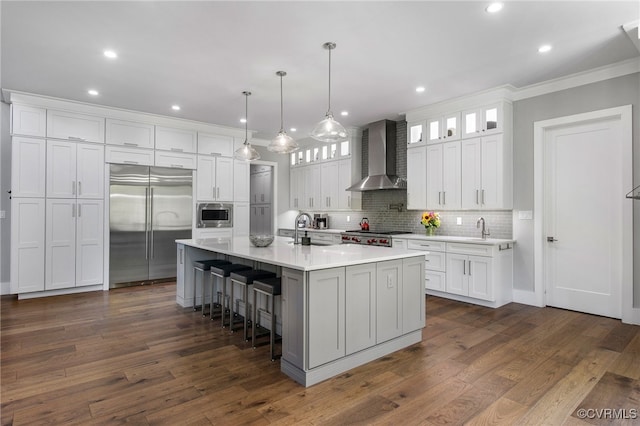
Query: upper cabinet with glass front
point(415, 133)
point(482, 121)
point(443, 129)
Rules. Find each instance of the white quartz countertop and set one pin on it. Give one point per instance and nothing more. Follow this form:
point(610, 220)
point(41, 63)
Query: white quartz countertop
point(305, 258)
point(325, 231)
point(454, 239)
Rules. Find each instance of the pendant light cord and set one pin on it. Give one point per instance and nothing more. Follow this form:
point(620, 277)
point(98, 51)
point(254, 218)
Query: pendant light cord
point(246, 117)
point(329, 108)
point(281, 107)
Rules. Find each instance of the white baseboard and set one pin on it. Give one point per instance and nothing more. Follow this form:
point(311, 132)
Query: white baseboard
point(526, 297)
point(5, 288)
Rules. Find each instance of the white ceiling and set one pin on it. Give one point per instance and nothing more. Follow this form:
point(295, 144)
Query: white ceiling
point(202, 55)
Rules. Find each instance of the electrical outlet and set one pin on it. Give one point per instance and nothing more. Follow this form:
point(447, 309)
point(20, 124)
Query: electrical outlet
point(458, 221)
point(525, 215)
point(3, 214)
point(348, 218)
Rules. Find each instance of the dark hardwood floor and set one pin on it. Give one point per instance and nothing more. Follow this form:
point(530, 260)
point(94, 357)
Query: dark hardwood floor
point(133, 356)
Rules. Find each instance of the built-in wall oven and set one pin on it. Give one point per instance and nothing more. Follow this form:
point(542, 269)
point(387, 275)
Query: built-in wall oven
point(214, 215)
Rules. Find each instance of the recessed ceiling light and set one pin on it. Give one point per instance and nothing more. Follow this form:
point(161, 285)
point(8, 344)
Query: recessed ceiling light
point(420, 89)
point(93, 92)
point(544, 48)
point(243, 120)
point(175, 107)
point(293, 129)
point(110, 54)
point(494, 7)
point(344, 113)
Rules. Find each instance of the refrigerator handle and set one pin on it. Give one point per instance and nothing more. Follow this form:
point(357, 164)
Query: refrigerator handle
point(151, 222)
point(146, 223)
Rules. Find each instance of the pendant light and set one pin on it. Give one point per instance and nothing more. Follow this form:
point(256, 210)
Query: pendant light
point(246, 152)
point(329, 130)
point(282, 143)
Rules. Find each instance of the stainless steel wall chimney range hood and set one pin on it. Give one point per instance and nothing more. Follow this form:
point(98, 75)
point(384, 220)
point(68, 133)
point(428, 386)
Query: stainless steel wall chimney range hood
point(382, 159)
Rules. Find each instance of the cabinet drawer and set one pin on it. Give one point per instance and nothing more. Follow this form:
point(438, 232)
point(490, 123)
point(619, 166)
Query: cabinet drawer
point(426, 245)
point(131, 134)
point(472, 249)
point(115, 154)
point(72, 126)
point(175, 160)
point(434, 280)
point(28, 121)
point(286, 233)
point(209, 144)
point(177, 140)
point(435, 261)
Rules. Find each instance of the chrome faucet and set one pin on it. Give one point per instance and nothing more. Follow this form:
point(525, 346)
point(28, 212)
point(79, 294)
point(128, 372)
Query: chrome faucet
point(295, 226)
point(486, 233)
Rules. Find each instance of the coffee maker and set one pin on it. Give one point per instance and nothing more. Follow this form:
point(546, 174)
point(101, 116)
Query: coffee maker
point(320, 221)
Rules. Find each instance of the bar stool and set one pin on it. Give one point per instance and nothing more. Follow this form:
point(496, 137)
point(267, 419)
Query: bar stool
point(203, 266)
point(223, 272)
point(245, 279)
point(270, 287)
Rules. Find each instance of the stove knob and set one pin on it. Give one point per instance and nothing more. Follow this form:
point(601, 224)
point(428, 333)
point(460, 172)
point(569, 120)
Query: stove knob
point(356, 239)
point(384, 241)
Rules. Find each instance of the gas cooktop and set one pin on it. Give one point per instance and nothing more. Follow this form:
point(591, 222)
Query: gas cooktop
point(370, 237)
point(378, 232)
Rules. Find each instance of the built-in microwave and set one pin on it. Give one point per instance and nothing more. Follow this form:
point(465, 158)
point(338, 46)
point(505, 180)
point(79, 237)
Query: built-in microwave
point(214, 215)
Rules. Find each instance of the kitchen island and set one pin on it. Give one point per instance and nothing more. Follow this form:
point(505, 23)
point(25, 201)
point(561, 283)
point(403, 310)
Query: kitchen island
point(341, 306)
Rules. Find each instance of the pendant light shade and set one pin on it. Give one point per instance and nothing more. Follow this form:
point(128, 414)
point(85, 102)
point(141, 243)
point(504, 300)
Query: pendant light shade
point(282, 143)
point(246, 152)
point(329, 130)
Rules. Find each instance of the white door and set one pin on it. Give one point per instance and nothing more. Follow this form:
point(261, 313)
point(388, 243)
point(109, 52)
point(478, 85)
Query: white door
point(224, 183)
point(27, 244)
point(89, 242)
point(451, 175)
point(205, 178)
point(417, 178)
point(90, 171)
point(584, 196)
point(60, 254)
point(434, 176)
point(61, 169)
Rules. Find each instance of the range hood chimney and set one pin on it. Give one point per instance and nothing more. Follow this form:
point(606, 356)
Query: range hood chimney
point(382, 159)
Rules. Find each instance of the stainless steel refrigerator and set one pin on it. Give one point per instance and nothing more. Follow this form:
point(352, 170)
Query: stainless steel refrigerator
point(150, 207)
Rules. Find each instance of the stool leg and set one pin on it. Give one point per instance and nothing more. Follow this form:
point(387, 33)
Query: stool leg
point(224, 300)
point(273, 326)
point(253, 325)
point(231, 306)
point(245, 296)
point(195, 273)
point(213, 290)
point(202, 294)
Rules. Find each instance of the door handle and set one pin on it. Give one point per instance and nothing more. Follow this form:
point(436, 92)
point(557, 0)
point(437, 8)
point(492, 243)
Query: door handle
point(551, 239)
point(146, 223)
point(151, 222)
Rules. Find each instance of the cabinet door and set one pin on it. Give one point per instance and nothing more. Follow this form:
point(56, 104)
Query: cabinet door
point(241, 219)
point(211, 144)
point(28, 167)
point(89, 242)
point(73, 126)
point(312, 188)
point(388, 300)
point(471, 122)
point(28, 121)
point(61, 169)
point(457, 282)
point(90, 170)
point(60, 259)
point(417, 178)
point(450, 127)
point(344, 182)
point(121, 155)
point(413, 298)
point(27, 244)
point(130, 133)
point(451, 175)
point(491, 119)
point(205, 178)
point(293, 317)
point(326, 316)
point(241, 181)
point(492, 176)
point(480, 277)
point(360, 304)
point(434, 176)
point(224, 183)
point(295, 186)
point(434, 134)
point(471, 174)
point(177, 140)
point(415, 132)
point(329, 174)
point(434, 280)
point(175, 160)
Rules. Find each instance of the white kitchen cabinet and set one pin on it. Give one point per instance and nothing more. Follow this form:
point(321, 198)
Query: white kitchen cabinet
point(176, 160)
point(210, 144)
point(328, 238)
point(122, 155)
point(293, 317)
point(74, 243)
point(389, 300)
point(199, 233)
point(28, 121)
point(347, 200)
point(417, 177)
point(129, 133)
point(444, 128)
point(443, 176)
point(241, 181)
point(74, 126)
point(435, 264)
point(360, 299)
point(330, 185)
point(486, 173)
point(241, 219)
point(213, 179)
point(296, 187)
point(413, 297)
point(74, 170)
point(312, 187)
point(261, 185)
point(483, 120)
point(469, 276)
point(28, 167)
point(260, 219)
point(27, 244)
point(326, 316)
point(415, 132)
point(177, 140)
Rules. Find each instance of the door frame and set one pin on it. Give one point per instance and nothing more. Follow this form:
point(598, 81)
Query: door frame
point(624, 114)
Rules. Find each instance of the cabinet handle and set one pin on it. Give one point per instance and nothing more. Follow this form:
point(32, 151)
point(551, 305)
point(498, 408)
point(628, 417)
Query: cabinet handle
point(130, 162)
point(177, 149)
point(216, 154)
point(464, 267)
point(483, 197)
point(79, 210)
point(444, 198)
point(73, 210)
point(177, 165)
point(469, 268)
point(73, 188)
point(75, 138)
point(439, 197)
point(217, 192)
point(130, 144)
point(477, 196)
point(349, 201)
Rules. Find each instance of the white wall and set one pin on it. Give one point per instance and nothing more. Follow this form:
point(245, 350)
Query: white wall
point(591, 97)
